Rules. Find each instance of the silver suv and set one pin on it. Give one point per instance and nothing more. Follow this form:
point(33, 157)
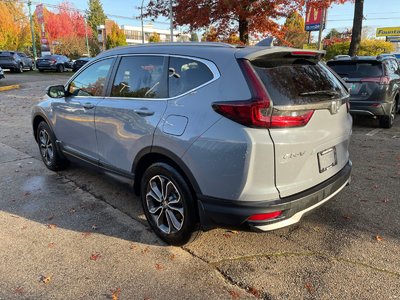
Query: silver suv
point(211, 135)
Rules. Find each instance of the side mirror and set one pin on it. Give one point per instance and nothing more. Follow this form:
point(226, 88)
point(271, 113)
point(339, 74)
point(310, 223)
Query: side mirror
point(56, 91)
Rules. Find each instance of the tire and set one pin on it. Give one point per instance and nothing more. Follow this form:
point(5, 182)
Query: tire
point(20, 69)
point(60, 68)
point(50, 154)
point(41, 70)
point(388, 120)
point(169, 205)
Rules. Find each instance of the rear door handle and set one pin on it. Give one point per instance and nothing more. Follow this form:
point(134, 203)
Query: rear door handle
point(88, 105)
point(143, 112)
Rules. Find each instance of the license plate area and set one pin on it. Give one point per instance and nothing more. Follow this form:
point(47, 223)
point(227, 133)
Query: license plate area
point(327, 159)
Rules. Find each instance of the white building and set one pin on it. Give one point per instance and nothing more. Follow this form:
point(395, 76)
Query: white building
point(134, 34)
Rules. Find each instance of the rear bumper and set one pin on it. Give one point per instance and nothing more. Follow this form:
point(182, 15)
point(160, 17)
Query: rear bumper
point(9, 65)
point(369, 108)
point(52, 67)
point(235, 213)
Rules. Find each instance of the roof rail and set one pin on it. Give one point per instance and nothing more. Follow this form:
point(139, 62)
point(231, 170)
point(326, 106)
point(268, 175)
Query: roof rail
point(203, 44)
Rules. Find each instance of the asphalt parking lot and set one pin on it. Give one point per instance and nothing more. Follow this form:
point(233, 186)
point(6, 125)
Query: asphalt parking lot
point(78, 234)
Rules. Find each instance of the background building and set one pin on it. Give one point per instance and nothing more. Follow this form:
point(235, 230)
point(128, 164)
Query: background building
point(134, 34)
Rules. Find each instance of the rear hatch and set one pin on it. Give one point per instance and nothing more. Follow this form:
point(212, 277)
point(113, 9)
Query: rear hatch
point(6, 56)
point(365, 79)
point(309, 121)
point(46, 61)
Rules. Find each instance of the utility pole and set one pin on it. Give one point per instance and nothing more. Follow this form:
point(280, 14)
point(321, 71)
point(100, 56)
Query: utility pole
point(32, 31)
point(171, 21)
point(141, 19)
point(321, 28)
point(86, 37)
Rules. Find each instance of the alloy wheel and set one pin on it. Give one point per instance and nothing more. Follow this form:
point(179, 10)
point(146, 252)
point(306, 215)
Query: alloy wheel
point(46, 146)
point(164, 203)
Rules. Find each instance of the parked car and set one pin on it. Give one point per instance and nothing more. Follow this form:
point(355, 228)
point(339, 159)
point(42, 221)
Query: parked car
point(79, 63)
point(211, 134)
point(28, 62)
point(374, 84)
point(15, 61)
point(2, 73)
point(397, 55)
point(54, 62)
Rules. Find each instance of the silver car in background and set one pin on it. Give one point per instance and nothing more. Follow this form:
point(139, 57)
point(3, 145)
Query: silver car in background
point(210, 134)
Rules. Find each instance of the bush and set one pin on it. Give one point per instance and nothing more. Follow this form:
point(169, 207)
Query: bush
point(367, 47)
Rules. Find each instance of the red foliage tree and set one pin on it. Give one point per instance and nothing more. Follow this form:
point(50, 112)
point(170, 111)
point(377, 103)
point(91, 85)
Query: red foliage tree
point(255, 17)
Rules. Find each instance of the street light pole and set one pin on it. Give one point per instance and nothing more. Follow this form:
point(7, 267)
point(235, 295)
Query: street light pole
point(141, 18)
point(32, 31)
point(171, 21)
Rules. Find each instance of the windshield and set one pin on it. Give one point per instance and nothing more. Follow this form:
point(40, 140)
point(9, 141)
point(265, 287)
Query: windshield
point(357, 69)
point(6, 53)
point(295, 81)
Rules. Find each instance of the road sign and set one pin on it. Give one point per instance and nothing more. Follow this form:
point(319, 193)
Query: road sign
point(314, 18)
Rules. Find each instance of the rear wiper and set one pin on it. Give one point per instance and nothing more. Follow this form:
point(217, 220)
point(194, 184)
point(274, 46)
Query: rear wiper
point(326, 92)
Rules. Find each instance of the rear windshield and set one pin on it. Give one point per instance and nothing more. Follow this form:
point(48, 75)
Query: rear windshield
point(48, 57)
point(6, 53)
point(296, 81)
point(357, 69)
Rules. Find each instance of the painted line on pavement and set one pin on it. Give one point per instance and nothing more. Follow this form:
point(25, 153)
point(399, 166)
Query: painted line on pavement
point(9, 87)
point(373, 132)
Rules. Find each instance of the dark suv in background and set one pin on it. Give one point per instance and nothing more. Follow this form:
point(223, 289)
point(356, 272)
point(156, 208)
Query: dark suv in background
point(374, 84)
point(54, 62)
point(15, 61)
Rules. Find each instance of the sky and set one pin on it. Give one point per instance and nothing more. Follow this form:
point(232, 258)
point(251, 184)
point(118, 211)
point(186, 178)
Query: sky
point(377, 13)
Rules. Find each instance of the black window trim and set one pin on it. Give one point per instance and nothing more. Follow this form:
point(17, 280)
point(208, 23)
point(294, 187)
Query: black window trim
point(87, 66)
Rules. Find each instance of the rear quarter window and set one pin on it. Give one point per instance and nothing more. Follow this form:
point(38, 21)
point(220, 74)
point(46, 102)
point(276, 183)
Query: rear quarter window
point(296, 81)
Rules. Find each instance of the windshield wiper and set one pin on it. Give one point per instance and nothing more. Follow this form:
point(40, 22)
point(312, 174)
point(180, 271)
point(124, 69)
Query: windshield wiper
point(317, 93)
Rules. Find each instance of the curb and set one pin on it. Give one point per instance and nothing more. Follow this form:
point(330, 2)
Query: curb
point(9, 87)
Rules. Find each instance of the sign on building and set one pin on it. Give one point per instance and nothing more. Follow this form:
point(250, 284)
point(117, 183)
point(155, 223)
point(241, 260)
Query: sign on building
point(314, 18)
point(388, 31)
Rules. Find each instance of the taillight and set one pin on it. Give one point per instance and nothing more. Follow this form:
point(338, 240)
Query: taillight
point(304, 53)
point(53, 61)
point(257, 112)
point(380, 80)
point(264, 217)
point(281, 119)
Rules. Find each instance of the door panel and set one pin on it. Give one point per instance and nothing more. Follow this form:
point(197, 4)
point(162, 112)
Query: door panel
point(126, 121)
point(74, 117)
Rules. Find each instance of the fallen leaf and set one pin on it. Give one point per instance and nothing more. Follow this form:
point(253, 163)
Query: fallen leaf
point(172, 256)
point(234, 294)
point(19, 290)
point(51, 226)
point(115, 294)
point(159, 267)
point(133, 247)
point(309, 287)
point(51, 217)
point(227, 235)
point(27, 193)
point(72, 210)
point(233, 231)
point(254, 292)
point(45, 279)
point(51, 245)
point(95, 256)
point(379, 238)
point(346, 217)
point(145, 250)
point(94, 227)
point(86, 234)
point(386, 200)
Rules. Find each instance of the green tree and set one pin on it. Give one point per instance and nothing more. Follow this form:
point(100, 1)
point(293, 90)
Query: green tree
point(95, 15)
point(116, 38)
point(294, 32)
point(194, 37)
point(333, 33)
point(367, 47)
point(154, 38)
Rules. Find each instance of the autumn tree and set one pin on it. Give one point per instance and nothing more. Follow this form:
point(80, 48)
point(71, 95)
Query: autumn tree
point(116, 37)
point(194, 37)
point(65, 30)
point(14, 27)
point(243, 17)
point(154, 38)
point(294, 31)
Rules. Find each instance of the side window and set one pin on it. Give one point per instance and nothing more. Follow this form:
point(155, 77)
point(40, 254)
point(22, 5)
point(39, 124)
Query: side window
point(140, 77)
point(91, 81)
point(186, 74)
point(396, 66)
